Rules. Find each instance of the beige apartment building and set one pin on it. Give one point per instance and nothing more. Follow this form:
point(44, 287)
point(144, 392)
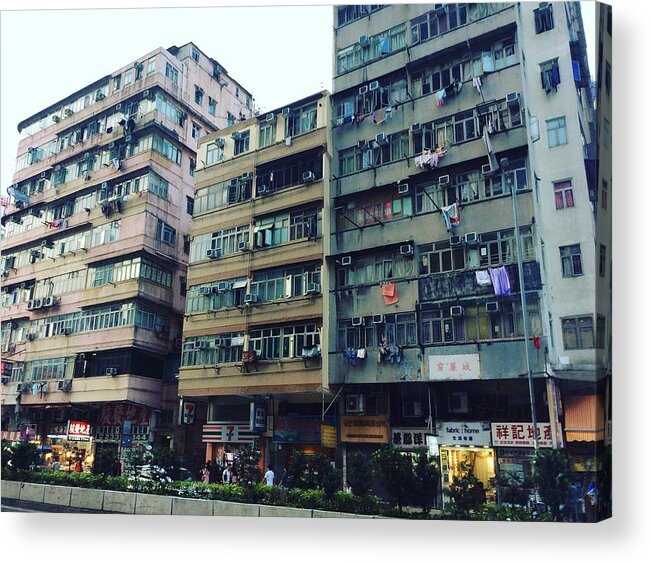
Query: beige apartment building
point(95, 254)
point(253, 333)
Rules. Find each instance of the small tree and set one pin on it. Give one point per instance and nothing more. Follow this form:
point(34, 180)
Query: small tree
point(169, 460)
point(247, 467)
point(426, 481)
point(298, 471)
point(465, 492)
point(23, 455)
point(551, 475)
point(358, 472)
point(395, 471)
point(104, 458)
point(514, 489)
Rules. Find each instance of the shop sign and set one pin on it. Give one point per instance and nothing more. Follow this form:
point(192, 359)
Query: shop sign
point(299, 429)
point(11, 435)
point(258, 417)
point(520, 434)
point(329, 436)
point(364, 429)
point(117, 413)
point(227, 432)
point(409, 438)
point(56, 430)
point(78, 431)
point(188, 412)
point(28, 432)
point(580, 463)
point(464, 433)
point(454, 367)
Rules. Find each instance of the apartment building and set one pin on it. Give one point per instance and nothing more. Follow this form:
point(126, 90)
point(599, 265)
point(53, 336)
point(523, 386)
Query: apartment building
point(96, 249)
point(253, 333)
point(440, 334)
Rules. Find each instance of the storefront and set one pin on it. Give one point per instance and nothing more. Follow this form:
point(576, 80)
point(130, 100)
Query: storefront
point(515, 446)
point(120, 427)
point(70, 444)
point(300, 433)
point(225, 439)
point(466, 447)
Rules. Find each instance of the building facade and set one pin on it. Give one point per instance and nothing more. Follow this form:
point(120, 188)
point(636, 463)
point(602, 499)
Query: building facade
point(253, 330)
point(96, 249)
point(440, 113)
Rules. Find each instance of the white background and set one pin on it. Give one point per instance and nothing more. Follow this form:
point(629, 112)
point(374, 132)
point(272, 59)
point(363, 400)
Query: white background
point(148, 538)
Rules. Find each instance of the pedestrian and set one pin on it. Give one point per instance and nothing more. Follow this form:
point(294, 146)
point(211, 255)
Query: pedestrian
point(268, 477)
point(205, 473)
point(227, 475)
point(348, 488)
point(213, 472)
point(284, 479)
point(56, 465)
point(116, 469)
point(79, 467)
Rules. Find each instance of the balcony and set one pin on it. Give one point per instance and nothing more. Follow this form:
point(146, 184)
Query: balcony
point(369, 370)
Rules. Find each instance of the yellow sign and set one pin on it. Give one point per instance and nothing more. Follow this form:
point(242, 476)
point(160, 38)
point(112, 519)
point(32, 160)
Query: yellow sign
point(329, 436)
point(364, 429)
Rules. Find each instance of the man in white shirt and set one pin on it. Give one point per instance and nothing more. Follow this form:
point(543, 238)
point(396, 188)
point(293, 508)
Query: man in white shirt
point(268, 477)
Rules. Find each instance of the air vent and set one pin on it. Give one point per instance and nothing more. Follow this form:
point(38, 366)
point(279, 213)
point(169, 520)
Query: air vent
point(455, 240)
point(471, 238)
point(378, 319)
point(403, 189)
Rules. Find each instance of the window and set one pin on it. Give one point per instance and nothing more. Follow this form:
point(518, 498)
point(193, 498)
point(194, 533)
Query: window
point(212, 106)
point(604, 194)
point(578, 332)
point(543, 17)
point(171, 73)
point(151, 65)
point(550, 75)
point(440, 257)
point(128, 77)
point(193, 166)
point(267, 133)
point(606, 133)
point(168, 149)
point(165, 233)
point(563, 194)
point(196, 131)
point(602, 260)
point(195, 54)
point(284, 342)
point(556, 132)
point(242, 143)
point(301, 119)
point(198, 95)
point(189, 205)
point(230, 119)
point(571, 260)
point(608, 78)
point(117, 80)
point(214, 153)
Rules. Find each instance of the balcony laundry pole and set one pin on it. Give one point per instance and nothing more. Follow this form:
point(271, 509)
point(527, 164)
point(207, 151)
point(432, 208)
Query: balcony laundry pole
point(505, 165)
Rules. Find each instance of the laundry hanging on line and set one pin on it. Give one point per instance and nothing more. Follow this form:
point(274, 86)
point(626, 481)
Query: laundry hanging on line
point(451, 215)
point(500, 279)
point(390, 293)
point(483, 278)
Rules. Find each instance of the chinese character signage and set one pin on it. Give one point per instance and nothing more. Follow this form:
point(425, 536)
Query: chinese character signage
point(454, 367)
point(227, 432)
point(299, 429)
point(520, 434)
point(28, 432)
point(409, 438)
point(117, 413)
point(78, 431)
point(365, 429)
point(258, 417)
point(329, 436)
point(476, 434)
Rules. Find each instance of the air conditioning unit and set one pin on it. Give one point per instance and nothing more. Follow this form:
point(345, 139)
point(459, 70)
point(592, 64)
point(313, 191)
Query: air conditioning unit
point(354, 403)
point(30, 305)
point(346, 261)
point(205, 291)
point(65, 385)
point(363, 90)
point(492, 307)
point(5, 379)
point(50, 301)
point(111, 371)
point(444, 180)
point(19, 387)
point(361, 143)
point(406, 250)
point(57, 168)
point(146, 94)
point(363, 40)
point(118, 107)
point(415, 128)
point(201, 344)
point(68, 112)
point(486, 170)
point(471, 238)
point(236, 135)
point(38, 303)
point(10, 325)
point(67, 331)
point(223, 286)
point(378, 319)
point(30, 336)
point(213, 253)
point(219, 342)
point(375, 85)
point(99, 95)
point(513, 99)
point(8, 348)
point(313, 289)
point(403, 188)
point(56, 118)
point(455, 240)
point(250, 298)
point(243, 246)
point(286, 112)
point(308, 177)
point(456, 310)
point(381, 139)
point(219, 142)
point(357, 321)
point(270, 117)
point(25, 389)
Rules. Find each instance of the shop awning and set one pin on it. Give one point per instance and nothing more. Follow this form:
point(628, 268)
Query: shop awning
point(584, 418)
point(240, 284)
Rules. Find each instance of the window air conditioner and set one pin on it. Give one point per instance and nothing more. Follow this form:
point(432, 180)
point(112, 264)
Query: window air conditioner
point(270, 117)
point(44, 175)
point(415, 128)
point(201, 344)
point(492, 307)
point(30, 336)
point(10, 325)
point(354, 403)
point(205, 291)
point(5, 379)
point(313, 289)
point(250, 298)
point(444, 180)
point(378, 319)
point(56, 118)
point(455, 240)
point(375, 85)
point(38, 303)
point(308, 177)
point(486, 170)
point(30, 305)
point(381, 139)
point(363, 90)
point(346, 260)
point(57, 168)
point(146, 94)
point(111, 371)
point(219, 142)
point(456, 311)
point(471, 238)
point(243, 246)
point(406, 250)
point(99, 95)
point(222, 286)
point(512, 99)
point(403, 189)
point(286, 112)
point(51, 301)
point(67, 331)
point(213, 253)
point(357, 321)
point(68, 112)
point(118, 107)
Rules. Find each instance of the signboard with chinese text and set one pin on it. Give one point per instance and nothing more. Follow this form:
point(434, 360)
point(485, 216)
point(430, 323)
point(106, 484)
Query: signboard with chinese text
point(227, 432)
point(299, 429)
point(520, 434)
point(117, 413)
point(28, 432)
point(476, 434)
point(78, 431)
point(258, 417)
point(364, 429)
point(454, 367)
point(329, 436)
point(407, 438)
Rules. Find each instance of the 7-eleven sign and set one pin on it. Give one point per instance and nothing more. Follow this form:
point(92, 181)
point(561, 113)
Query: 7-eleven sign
point(227, 432)
point(188, 412)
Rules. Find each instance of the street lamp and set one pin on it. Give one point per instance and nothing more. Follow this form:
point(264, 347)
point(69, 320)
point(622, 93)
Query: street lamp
point(505, 165)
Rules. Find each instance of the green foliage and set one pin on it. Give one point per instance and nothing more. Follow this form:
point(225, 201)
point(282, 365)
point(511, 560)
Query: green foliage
point(395, 471)
point(6, 453)
point(514, 489)
point(551, 474)
point(426, 481)
point(24, 454)
point(104, 458)
point(169, 460)
point(358, 472)
point(298, 471)
point(309, 472)
point(247, 467)
point(309, 499)
point(465, 493)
